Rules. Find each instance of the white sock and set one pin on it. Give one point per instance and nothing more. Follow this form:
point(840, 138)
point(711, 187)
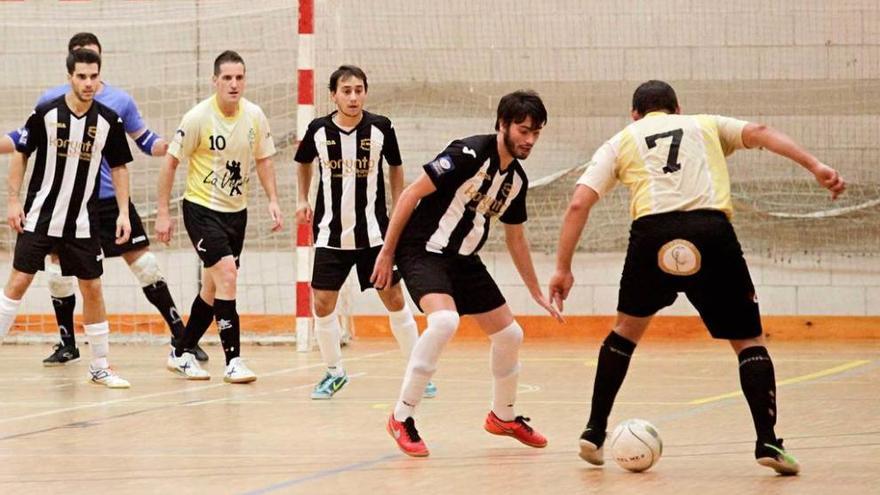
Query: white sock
point(8, 310)
point(98, 336)
point(327, 333)
point(404, 329)
point(423, 361)
point(505, 370)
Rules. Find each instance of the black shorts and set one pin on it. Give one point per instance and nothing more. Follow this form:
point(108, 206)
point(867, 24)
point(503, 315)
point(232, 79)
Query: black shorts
point(694, 252)
point(465, 278)
point(332, 266)
point(107, 211)
point(80, 258)
point(214, 234)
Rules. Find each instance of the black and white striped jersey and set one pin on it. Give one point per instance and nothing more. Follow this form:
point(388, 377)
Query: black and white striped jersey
point(65, 172)
point(350, 211)
point(471, 190)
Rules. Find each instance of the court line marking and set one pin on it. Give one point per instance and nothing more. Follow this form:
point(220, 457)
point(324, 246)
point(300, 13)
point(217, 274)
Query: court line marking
point(177, 391)
point(323, 474)
point(803, 378)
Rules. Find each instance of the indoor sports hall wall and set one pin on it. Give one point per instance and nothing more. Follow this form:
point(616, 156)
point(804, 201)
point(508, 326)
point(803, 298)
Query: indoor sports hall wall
point(811, 68)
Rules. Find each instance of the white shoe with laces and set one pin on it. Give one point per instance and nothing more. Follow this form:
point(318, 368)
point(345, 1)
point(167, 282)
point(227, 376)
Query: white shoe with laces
point(107, 377)
point(186, 366)
point(238, 372)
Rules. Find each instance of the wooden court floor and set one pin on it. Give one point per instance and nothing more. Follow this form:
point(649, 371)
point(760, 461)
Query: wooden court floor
point(59, 434)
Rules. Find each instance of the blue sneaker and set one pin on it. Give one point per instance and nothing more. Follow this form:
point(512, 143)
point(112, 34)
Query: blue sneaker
point(430, 391)
point(328, 386)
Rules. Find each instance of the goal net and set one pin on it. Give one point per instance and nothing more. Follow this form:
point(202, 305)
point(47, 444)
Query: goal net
point(438, 69)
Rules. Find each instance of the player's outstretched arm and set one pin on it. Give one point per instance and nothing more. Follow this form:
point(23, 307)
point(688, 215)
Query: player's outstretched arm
point(518, 247)
point(164, 227)
point(119, 176)
point(303, 184)
point(409, 198)
point(266, 173)
point(573, 223)
point(14, 212)
point(763, 136)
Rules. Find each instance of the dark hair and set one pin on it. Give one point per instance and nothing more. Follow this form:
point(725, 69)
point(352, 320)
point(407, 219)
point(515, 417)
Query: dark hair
point(654, 95)
point(515, 107)
point(83, 39)
point(344, 72)
point(82, 56)
point(227, 57)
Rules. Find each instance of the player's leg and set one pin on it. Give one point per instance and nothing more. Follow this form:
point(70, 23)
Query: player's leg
point(329, 271)
point(224, 274)
point(400, 317)
point(63, 292)
point(182, 360)
point(97, 333)
point(611, 368)
point(29, 258)
point(506, 337)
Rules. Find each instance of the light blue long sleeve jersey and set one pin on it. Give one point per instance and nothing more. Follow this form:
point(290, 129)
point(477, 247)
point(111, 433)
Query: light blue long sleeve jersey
point(120, 102)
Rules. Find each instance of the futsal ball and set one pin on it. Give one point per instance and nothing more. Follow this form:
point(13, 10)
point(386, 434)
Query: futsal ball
point(636, 445)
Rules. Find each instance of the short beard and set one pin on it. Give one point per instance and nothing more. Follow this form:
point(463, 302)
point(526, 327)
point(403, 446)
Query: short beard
point(511, 147)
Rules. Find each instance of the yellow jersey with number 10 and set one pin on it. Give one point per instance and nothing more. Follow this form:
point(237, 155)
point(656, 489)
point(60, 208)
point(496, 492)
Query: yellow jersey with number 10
point(220, 150)
point(670, 162)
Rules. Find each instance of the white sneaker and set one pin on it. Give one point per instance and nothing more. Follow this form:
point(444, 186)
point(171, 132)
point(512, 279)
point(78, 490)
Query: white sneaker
point(238, 372)
point(107, 378)
point(186, 366)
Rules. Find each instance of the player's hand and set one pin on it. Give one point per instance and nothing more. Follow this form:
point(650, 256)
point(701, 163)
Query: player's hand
point(277, 217)
point(560, 286)
point(381, 276)
point(303, 213)
point(164, 228)
point(545, 303)
point(123, 229)
point(830, 179)
point(15, 215)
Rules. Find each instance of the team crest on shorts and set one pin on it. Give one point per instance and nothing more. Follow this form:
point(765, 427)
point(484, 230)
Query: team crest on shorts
point(679, 257)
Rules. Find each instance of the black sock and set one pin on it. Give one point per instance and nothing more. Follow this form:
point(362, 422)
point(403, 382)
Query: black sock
point(611, 369)
point(64, 308)
point(200, 317)
point(159, 295)
point(758, 383)
point(228, 327)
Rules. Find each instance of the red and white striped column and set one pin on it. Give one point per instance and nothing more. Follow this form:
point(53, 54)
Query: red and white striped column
point(305, 112)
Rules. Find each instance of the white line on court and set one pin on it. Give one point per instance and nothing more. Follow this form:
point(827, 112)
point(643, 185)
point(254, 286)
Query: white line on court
point(177, 391)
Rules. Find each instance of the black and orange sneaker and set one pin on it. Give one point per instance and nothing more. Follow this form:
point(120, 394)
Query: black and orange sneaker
point(517, 429)
point(407, 437)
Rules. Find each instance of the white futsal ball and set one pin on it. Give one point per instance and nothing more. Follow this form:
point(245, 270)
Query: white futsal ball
point(636, 445)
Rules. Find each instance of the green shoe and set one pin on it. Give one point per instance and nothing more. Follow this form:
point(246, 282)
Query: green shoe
point(328, 386)
point(430, 391)
point(776, 458)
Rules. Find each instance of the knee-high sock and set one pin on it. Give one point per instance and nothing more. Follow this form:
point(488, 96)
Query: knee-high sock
point(423, 361)
point(404, 329)
point(160, 297)
point(611, 369)
point(758, 381)
point(504, 359)
point(62, 289)
point(98, 335)
point(8, 310)
point(200, 317)
point(327, 333)
point(228, 327)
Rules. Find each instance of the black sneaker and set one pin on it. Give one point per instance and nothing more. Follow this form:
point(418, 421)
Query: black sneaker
point(774, 456)
point(592, 447)
point(62, 355)
point(197, 351)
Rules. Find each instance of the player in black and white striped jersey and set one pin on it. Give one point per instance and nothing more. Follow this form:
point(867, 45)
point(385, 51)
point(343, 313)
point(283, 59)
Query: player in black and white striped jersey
point(70, 135)
point(351, 146)
point(438, 227)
